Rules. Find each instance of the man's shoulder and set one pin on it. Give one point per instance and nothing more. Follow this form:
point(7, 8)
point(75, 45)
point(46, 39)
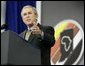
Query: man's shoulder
point(46, 27)
point(49, 28)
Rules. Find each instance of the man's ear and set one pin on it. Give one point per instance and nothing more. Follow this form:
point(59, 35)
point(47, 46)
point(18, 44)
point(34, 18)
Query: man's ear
point(36, 15)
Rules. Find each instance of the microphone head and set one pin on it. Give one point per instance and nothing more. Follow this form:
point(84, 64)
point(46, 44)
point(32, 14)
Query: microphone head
point(3, 26)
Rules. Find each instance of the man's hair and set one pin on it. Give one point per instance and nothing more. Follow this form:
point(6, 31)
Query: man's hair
point(28, 6)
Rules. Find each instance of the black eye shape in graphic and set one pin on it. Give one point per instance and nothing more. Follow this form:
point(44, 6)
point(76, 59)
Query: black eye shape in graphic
point(66, 44)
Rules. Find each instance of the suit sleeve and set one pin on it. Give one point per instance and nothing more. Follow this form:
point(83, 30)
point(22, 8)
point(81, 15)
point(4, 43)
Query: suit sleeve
point(48, 38)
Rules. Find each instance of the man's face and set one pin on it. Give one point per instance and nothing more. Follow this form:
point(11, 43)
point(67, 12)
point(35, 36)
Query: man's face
point(28, 16)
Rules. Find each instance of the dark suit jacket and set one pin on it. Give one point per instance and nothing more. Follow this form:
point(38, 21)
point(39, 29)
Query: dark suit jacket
point(44, 44)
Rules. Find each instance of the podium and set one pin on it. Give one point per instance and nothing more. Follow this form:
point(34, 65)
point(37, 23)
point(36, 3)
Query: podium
point(16, 51)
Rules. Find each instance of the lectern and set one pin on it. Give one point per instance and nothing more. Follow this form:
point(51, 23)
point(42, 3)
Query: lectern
point(16, 51)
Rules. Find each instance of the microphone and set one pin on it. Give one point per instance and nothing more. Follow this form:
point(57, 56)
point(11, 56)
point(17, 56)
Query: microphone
point(3, 26)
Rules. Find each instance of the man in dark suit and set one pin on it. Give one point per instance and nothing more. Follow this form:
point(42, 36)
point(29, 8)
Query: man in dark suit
point(36, 34)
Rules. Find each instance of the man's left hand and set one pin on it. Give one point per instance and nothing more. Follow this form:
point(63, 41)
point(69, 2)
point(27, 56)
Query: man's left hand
point(36, 30)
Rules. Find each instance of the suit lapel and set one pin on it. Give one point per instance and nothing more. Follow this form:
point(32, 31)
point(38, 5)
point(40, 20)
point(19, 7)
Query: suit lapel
point(24, 34)
point(31, 37)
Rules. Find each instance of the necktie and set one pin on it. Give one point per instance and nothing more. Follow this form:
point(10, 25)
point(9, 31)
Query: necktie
point(27, 34)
